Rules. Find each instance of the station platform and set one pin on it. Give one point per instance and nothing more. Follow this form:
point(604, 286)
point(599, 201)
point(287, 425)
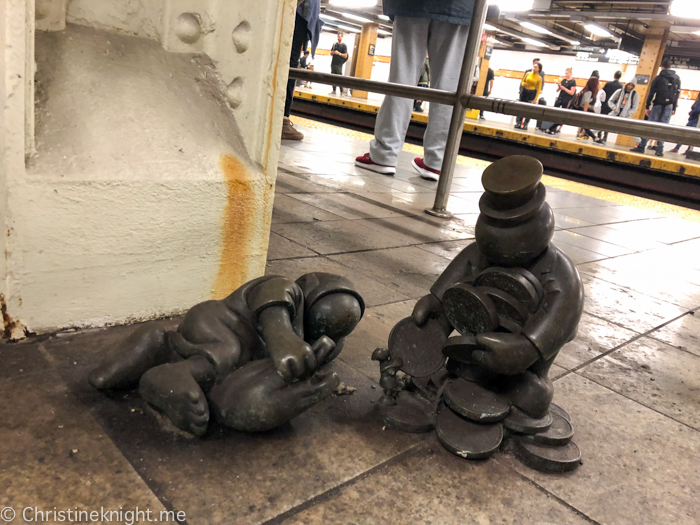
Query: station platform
point(630, 380)
point(501, 127)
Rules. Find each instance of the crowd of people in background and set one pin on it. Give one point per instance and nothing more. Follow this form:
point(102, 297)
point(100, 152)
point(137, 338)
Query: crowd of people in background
point(413, 35)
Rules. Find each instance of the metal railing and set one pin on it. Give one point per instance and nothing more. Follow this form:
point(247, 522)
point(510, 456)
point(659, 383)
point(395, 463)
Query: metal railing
point(461, 100)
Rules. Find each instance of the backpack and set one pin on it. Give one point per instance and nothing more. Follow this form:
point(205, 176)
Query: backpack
point(576, 102)
point(667, 90)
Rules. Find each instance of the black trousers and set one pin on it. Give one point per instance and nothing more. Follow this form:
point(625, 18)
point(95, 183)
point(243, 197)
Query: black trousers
point(299, 40)
point(526, 95)
point(337, 69)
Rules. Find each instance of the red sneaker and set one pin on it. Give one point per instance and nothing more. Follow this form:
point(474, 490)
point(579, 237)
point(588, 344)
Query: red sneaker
point(425, 171)
point(365, 162)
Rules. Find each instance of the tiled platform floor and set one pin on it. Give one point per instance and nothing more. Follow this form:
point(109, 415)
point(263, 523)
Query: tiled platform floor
point(631, 380)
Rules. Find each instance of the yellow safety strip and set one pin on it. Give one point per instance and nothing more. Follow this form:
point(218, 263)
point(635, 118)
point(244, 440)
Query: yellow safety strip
point(553, 182)
point(578, 148)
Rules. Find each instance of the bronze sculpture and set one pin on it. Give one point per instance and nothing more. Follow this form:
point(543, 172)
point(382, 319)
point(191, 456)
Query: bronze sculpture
point(515, 300)
point(254, 359)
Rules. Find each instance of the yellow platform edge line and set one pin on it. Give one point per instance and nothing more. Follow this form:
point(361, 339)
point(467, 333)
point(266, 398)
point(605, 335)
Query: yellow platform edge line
point(599, 152)
point(579, 188)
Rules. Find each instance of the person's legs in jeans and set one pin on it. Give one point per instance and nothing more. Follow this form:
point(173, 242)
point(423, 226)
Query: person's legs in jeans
point(446, 43)
point(654, 116)
point(692, 123)
point(408, 49)
point(298, 40)
point(665, 117)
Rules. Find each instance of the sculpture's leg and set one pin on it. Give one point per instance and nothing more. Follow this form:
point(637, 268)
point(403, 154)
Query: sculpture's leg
point(128, 360)
point(255, 398)
point(530, 393)
point(174, 389)
point(224, 355)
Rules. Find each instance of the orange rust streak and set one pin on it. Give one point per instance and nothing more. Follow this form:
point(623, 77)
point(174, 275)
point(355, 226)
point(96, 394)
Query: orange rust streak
point(237, 227)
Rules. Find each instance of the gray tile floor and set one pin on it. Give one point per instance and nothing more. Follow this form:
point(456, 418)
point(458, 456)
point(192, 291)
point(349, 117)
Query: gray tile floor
point(631, 380)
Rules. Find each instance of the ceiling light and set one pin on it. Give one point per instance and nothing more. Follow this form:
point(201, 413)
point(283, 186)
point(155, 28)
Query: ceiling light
point(537, 29)
point(383, 32)
point(575, 42)
point(685, 9)
point(534, 42)
point(347, 28)
point(357, 18)
point(353, 3)
point(696, 33)
point(329, 18)
point(384, 17)
point(513, 6)
point(598, 30)
point(489, 27)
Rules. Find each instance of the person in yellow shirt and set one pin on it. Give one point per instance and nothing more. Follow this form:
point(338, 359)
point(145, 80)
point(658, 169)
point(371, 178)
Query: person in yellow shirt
point(531, 88)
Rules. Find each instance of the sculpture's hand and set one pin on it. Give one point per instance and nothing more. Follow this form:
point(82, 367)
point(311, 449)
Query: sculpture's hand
point(507, 354)
point(426, 307)
point(294, 359)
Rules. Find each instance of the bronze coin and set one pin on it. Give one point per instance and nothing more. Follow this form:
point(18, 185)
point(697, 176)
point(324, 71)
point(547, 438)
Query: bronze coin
point(519, 422)
point(543, 457)
point(465, 438)
point(470, 310)
point(419, 347)
point(475, 402)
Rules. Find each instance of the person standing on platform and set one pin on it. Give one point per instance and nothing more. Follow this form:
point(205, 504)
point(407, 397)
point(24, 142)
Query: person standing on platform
point(307, 26)
point(423, 81)
point(694, 115)
point(663, 99)
point(531, 87)
point(585, 101)
point(339, 55)
point(566, 89)
point(625, 102)
point(439, 27)
point(609, 89)
point(488, 88)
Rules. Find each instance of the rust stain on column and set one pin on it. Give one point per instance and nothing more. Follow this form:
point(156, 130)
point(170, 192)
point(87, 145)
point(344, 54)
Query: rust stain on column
point(237, 227)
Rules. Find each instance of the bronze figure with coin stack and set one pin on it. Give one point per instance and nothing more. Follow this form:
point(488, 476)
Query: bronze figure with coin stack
point(515, 299)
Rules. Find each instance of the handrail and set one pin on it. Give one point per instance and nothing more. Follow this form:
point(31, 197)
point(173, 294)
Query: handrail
point(637, 128)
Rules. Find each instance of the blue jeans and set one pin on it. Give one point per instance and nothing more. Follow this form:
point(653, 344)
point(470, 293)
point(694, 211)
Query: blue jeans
point(692, 123)
point(659, 114)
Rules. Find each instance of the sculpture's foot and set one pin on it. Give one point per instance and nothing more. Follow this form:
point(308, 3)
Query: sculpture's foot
point(411, 413)
point(125, 363)
point(467, 439)
point(255, 398)
point(173, 390)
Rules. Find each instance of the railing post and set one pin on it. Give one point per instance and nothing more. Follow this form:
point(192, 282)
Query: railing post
point(454, 136)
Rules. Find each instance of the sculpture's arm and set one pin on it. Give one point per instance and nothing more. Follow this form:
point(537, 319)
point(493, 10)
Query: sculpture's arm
point(556, 320)
point(276, 304)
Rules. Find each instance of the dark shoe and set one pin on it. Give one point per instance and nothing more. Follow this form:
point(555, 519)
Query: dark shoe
point(288, 131)
point(599, 141)
point(659, 152)
point(425, 172)
point(524, 128)
point(675, 150)
point(638, 149)
point(518, 126)
point(481, 117)
point(651, 147)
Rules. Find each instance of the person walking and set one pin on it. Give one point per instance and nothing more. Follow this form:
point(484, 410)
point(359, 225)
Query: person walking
point(694, 116)
point(566, 89)
point(609, 89)
point(531, 87)
point(307, 26)
point(663, 99)
point(488, 88)
point(585, 101)
point(440, 28)
point(339, 55)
